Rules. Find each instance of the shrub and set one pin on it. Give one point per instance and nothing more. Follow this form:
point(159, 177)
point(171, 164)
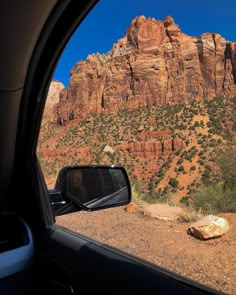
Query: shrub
point(165, 190)
point(181, 168)
point(201, 153)
point(227, 163)
point(187, 141)
point(190, 216)
point(201, 162)
point(185, 201)
point(180, 161)
point(215, 199)
point(200, 141)
point(179, 152)
point(173, 182)
point(193, 168)
point(184, 153)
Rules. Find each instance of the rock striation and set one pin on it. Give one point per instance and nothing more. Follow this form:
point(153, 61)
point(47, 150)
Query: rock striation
point(154, 63)
point(146, 149)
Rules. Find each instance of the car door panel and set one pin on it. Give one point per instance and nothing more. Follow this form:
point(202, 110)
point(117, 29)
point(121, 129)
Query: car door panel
point(72, 261)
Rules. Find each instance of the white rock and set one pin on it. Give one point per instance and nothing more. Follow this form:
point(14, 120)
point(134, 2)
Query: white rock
point(209, 227)
point(108, 149)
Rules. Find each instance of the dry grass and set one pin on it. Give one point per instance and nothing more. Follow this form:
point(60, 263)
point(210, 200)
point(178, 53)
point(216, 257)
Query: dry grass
point(189, 215)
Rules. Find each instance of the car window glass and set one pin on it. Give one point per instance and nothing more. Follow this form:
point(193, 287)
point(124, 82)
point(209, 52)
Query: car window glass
point(151, 86)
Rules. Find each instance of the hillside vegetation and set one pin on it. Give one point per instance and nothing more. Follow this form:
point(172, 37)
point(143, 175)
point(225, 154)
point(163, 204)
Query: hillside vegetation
point(203, 132)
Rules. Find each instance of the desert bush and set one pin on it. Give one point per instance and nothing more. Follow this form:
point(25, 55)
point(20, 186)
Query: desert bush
point(157, 197)
point(201, 162)
point(206, 175)
point(200, 141)
point(201, 153)
point(193, 168)
point(181, 168)
point(227, 162)
point(173, 182)
point(180, 161)
point(189, 215)
point(179, 152)
point(215, 199)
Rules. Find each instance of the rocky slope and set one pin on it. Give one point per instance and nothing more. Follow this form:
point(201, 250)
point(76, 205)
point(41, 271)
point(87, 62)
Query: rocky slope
point(165, 149)
point(154, 63)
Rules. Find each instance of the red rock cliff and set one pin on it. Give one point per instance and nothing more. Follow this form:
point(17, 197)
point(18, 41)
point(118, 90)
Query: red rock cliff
point(151, 148)
point(154, 63)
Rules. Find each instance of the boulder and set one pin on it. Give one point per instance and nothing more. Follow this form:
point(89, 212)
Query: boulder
point(108, 149)
point(140, 128)
point(132, 208)
point(209, 227)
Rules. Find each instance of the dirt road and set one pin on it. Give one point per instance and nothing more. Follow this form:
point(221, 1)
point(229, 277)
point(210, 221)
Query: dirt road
point(164, 243)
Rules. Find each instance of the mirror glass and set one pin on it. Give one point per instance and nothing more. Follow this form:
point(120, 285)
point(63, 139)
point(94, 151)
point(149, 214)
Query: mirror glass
point(98, 187)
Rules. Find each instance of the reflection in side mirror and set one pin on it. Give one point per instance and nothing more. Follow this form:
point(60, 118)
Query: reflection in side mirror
point(94, 187)
point(98, 187)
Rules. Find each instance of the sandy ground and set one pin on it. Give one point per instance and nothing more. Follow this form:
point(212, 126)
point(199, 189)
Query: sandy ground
point(164, 243)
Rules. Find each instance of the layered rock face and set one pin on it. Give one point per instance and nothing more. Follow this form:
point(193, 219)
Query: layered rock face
point(151, 148)
point(154, 63)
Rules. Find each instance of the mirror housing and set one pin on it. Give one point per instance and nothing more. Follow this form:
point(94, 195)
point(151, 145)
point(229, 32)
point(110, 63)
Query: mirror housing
point(90, 188)
point(60, 204)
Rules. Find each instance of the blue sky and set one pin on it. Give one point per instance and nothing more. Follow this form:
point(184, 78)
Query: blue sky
point(108, 21)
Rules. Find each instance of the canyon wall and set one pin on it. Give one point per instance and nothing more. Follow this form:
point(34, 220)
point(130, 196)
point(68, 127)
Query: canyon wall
point(154, 63)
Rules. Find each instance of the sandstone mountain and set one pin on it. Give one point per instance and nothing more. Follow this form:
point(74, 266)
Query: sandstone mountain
point(160, 103)
point(154, 63)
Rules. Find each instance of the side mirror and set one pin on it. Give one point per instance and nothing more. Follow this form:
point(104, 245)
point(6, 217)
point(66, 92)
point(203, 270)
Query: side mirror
point(90, 188)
